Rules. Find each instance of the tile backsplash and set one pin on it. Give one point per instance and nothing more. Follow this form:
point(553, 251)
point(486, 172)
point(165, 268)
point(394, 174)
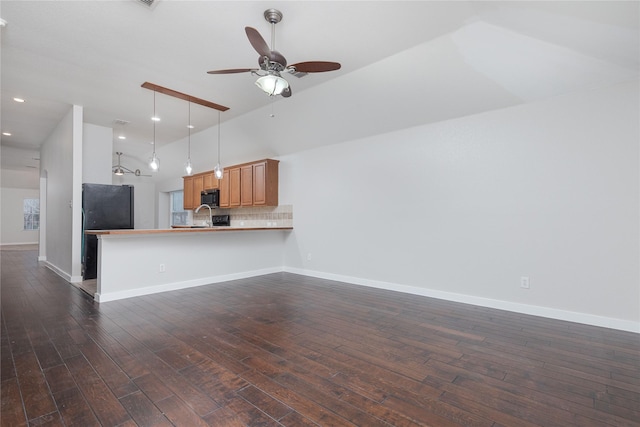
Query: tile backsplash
point(267, 216)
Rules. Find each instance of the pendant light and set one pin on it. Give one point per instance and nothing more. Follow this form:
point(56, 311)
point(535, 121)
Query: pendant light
point(187, 166)
point(218, 170)
point(154, 162)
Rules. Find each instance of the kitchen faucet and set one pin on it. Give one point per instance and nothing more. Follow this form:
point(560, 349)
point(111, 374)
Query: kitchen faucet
point(210, 214)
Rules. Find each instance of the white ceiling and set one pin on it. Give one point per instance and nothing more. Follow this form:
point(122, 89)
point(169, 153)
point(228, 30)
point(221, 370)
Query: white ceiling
point(403, 63)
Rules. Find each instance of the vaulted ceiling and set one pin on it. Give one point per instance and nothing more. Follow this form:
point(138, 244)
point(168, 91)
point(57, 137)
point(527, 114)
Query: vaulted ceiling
point(403, 63)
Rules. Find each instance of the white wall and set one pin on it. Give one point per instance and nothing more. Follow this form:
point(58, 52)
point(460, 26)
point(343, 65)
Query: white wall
point(97, 154)
point(19, 178)
point(60, 162)
point(12, 230)
point(462, 209)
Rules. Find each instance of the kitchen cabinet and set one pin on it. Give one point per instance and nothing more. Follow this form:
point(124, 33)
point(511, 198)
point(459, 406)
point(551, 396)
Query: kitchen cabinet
point(209, 181)
point(187, 195)
point(193, 186)
point(265, 183)
point(224, 189)
point(250, 184)
point(246, 185)
point(234, 187)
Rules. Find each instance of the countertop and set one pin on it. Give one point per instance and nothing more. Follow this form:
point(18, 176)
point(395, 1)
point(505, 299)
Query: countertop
point(183, 229)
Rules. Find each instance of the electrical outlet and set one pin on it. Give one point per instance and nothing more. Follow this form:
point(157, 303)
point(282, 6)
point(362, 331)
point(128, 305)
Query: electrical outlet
point(162, 268)
point(524, 282)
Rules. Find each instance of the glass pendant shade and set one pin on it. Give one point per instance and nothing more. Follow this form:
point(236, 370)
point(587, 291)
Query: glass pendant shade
point(188, 168)
point(272, 84)
point(218, 171)
point(154, 162)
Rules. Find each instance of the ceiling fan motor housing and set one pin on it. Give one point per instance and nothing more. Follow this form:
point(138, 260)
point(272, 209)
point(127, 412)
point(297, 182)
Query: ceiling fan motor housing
point(275, 62)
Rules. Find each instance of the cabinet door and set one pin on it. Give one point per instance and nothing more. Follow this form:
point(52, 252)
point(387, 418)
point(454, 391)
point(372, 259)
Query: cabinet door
point(187, 195)
point(265, 183)
point(246, 185)
point(259, 184)
point(198, 186)
point(210, 181)
point(224, 189)
point(234, 187)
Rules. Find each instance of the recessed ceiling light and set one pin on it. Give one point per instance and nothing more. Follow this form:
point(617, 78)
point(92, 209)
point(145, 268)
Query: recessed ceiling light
point(6, 133)
point(122, 137)
point(190, 126)
point(18, 99)
point(155, 119)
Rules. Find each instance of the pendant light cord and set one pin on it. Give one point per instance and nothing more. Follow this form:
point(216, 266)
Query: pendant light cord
point(154, 123)
point(218, 137)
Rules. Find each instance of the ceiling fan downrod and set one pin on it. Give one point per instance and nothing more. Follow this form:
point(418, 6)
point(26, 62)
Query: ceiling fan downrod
point(273, 16)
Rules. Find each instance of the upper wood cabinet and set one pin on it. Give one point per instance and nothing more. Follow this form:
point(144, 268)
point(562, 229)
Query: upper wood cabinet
point(209, 181)
point(250, 184)
point(234, 187)
point(193, 186)
point(246, 185)
point(265, 183)
point(224, 189)
point(187, 196)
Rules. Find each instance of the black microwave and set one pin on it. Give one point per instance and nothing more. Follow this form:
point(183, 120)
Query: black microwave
point(210, 197)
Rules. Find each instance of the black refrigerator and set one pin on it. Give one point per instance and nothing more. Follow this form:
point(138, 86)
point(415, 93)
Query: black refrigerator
point(104, 207)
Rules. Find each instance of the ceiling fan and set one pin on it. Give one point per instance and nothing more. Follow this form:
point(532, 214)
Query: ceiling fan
point(121, 170)
point(272, 63)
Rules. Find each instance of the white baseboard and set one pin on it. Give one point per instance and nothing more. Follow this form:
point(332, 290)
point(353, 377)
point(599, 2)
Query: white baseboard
point(113, 296)
point(552, 313)
point(18, 244)
point(59, 272)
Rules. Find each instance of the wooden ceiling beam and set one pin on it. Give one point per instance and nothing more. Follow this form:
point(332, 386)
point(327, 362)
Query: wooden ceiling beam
point(183, 96)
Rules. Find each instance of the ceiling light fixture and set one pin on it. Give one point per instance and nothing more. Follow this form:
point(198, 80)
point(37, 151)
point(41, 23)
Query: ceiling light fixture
point(120, 170)
point(154, 162)
point(118, 127)
point(188, 168)
point(272, 84)
point(6, 133)
point(218, 170)
point(18, 100)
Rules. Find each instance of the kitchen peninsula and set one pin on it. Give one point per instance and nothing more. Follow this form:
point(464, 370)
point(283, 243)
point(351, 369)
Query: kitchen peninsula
point(140, 262)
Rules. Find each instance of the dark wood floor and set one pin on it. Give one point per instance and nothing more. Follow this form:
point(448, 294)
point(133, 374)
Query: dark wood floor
point(290, 350)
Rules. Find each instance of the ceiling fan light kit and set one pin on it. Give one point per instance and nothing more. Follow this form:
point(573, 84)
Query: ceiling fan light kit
point(272, 63)
point(120, 170)
point(272, 85)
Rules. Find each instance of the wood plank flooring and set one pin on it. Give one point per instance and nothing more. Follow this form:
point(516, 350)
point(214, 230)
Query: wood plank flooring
point(288, 350)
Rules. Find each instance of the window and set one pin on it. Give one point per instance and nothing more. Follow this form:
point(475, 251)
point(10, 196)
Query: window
point(31, 210)
point(178, 215)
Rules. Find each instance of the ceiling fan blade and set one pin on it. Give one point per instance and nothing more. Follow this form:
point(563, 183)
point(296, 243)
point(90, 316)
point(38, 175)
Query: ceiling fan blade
point(232, 71)
point(286, 93)
point(257, 42)
point(315, 66)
